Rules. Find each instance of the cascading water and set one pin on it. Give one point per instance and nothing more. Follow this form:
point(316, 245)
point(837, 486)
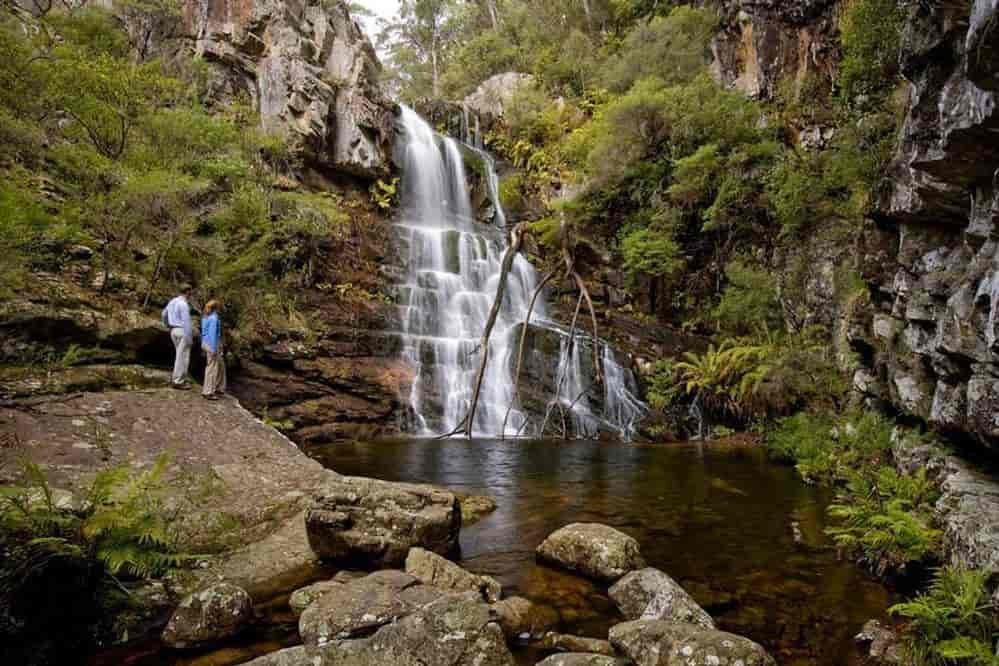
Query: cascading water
point(452, 271)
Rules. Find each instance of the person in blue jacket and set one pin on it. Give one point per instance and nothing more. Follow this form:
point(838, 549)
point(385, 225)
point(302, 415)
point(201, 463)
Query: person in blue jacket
point(211, 344)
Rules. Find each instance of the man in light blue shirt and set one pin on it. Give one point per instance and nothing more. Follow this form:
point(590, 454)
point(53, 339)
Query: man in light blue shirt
point(177, 317)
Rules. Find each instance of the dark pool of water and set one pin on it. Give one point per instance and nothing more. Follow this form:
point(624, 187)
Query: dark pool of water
point(742, 535)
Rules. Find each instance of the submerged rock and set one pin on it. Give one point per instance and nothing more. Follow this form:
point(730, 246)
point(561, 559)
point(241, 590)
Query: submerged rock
point(377, 522)
point(577, 644)
point(659, 643)
point(432, 569)
point(650, 594)
point(592, 549)
point(522, 618)
point(880, 644)
point(208, 616)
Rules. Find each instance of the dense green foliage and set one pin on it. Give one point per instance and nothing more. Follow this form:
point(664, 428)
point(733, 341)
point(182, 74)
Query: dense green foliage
point(109, 147)
point(953, 622)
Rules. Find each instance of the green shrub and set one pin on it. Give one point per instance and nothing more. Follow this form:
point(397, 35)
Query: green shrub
point(672, 48)
point(870, 33)
point(953, 622)
point(662, 384)
point(749, 303)
point(826, 448)
point(651, 252)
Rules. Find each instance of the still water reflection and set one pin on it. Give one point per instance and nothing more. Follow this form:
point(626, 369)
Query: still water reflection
point(743, 536)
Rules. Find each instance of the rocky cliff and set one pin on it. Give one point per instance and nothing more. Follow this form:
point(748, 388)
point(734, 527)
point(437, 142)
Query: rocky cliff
point(927, 340)
point(930, 342)
point(310, 71)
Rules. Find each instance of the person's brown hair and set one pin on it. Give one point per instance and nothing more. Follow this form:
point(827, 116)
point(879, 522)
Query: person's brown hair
point(211, 306)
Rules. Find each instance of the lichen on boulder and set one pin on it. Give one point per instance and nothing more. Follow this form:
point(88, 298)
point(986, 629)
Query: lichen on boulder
point(592, 549)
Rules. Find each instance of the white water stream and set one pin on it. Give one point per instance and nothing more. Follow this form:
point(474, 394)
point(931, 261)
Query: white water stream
point(452, 271)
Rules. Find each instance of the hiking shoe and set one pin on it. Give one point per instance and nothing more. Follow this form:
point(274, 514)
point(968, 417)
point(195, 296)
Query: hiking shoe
point(181, 387)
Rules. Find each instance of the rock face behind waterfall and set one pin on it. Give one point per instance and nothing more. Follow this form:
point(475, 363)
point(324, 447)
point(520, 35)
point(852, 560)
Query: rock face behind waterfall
point(308, 68)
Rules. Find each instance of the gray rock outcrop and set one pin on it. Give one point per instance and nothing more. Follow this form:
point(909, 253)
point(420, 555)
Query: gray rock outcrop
point(310, 71)
point(650, 594)
point(208, 616)
point(658, 643)
point(495, 93)
point(377, 522)
point(930, 338)
point(592, 549)
point(968, 508)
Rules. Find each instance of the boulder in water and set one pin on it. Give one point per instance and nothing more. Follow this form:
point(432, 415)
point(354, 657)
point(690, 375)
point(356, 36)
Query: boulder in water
point(432, 569)
point(592, 549)
point(660, 643)
point(650, 594)
point(208, 616)
point(377, 522)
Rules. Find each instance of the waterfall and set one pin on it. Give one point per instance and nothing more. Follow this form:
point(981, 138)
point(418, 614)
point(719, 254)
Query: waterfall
point(452, 271)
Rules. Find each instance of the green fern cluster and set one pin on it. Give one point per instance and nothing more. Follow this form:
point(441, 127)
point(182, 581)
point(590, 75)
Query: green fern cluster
point(953, 622)
point(123, 528)
point(763, 376)
point(885, 518)
point(728, 377)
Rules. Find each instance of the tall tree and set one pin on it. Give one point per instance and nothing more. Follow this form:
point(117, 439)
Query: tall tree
point(419, 35)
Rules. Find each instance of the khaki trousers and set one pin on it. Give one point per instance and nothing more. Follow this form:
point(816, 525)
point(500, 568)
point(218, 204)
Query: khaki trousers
point(215, 381)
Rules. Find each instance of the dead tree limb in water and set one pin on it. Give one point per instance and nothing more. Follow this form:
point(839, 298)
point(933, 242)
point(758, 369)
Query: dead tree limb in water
point(516, 241)
point(570, 274)
point(520, 352)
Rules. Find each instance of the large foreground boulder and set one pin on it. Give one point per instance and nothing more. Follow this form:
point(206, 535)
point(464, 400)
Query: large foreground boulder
point(454, 630)
point(650, 594)
point(359, 607)
point(659, 643)
point(432, 569)
point(377, 522)
point(592, 549)
point(208, 616)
